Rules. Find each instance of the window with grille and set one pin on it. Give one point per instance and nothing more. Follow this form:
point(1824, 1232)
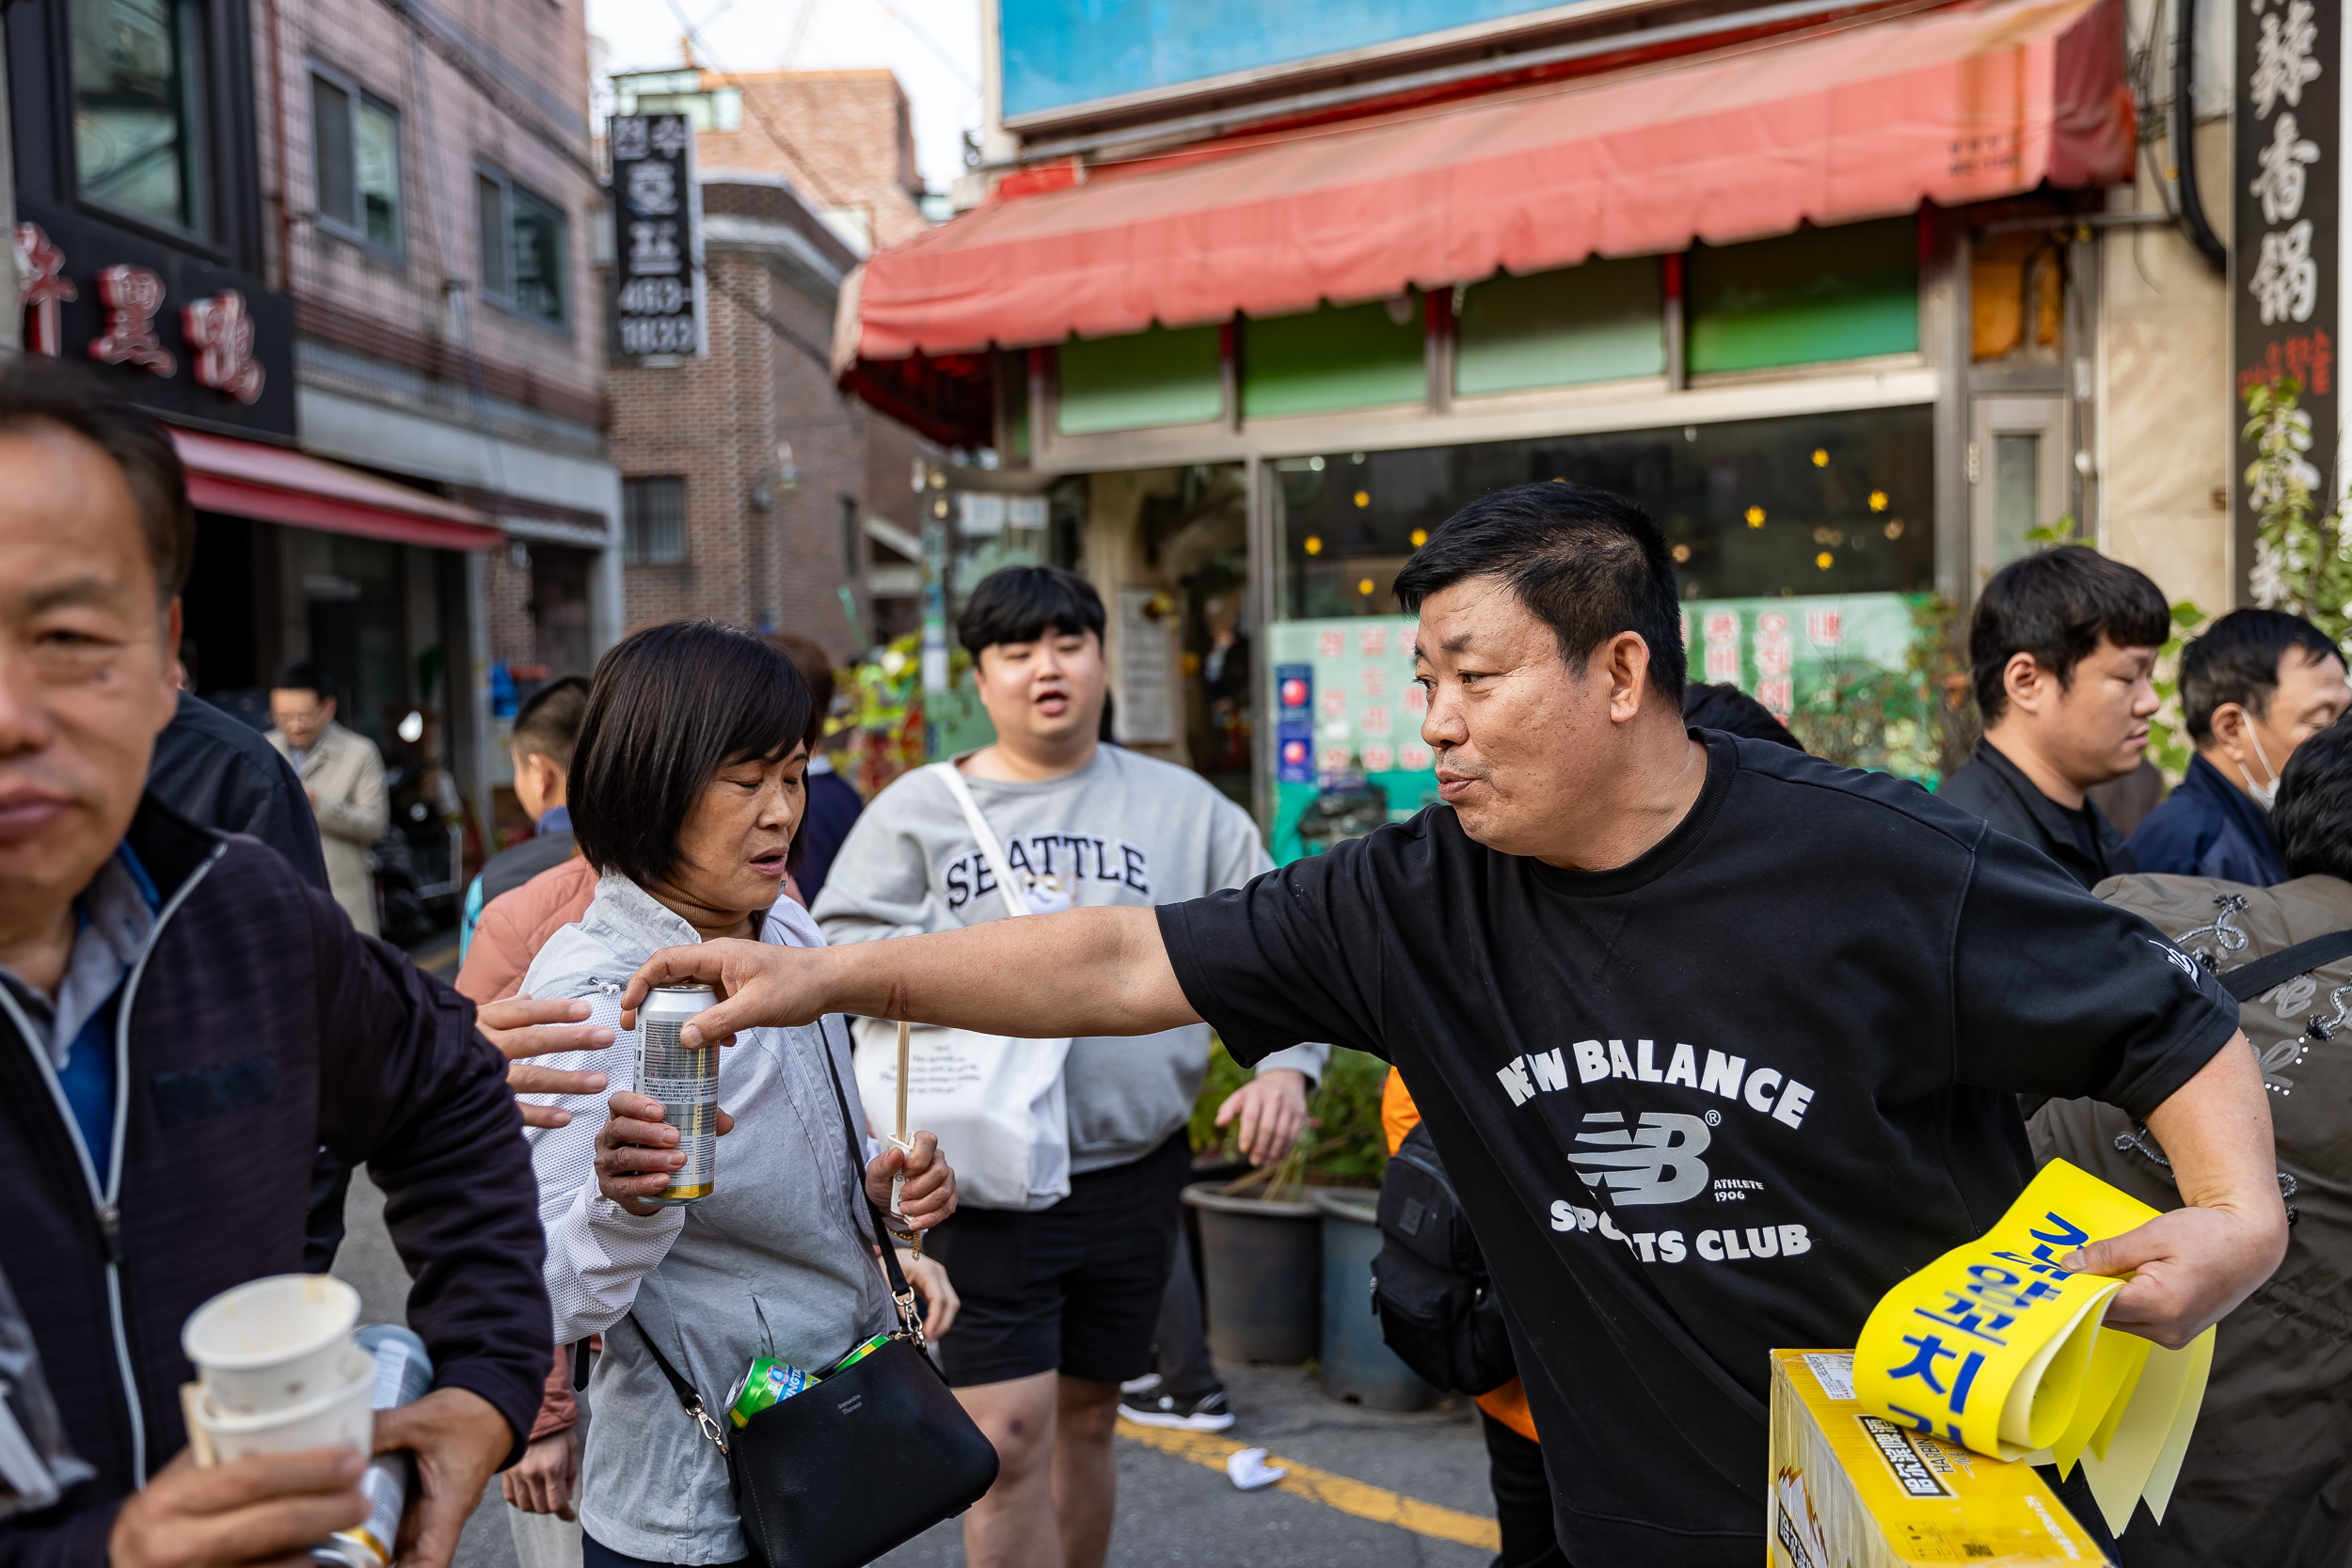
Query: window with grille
point(653, 520)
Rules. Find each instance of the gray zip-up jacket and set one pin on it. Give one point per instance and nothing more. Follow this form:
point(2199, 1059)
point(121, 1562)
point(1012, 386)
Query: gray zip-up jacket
point(1125, 828)
point(777, 1262)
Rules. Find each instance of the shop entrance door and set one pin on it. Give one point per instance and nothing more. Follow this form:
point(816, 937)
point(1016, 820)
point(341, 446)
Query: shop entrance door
point(2016, 476)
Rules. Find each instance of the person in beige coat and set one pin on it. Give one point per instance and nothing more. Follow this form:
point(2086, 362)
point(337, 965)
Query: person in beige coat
point(344, 774)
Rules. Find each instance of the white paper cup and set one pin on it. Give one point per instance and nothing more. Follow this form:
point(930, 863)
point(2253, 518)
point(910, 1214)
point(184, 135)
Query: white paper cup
point(272, 1344)
point(344, 1416)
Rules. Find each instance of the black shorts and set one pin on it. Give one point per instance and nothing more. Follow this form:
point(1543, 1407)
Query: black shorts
point(1074, 1288)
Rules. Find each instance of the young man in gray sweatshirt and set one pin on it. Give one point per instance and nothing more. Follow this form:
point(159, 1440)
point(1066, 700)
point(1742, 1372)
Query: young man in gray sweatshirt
point(1059, 1302)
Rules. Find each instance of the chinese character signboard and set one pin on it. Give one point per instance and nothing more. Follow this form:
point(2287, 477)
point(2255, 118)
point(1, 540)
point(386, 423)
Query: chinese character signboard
point(2283, 255)
point(202, 344)
point(656, 234)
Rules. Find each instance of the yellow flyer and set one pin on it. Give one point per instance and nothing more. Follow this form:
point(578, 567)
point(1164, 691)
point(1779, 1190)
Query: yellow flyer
point(1999, 1349)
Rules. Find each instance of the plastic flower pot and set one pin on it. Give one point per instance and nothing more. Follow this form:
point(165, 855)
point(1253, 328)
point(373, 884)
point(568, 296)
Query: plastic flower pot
point(1261, 1264)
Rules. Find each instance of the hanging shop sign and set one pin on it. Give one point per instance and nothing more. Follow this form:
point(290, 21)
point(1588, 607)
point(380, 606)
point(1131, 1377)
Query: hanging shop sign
point(200, 344)
point(657, 228)
point(2285, 291)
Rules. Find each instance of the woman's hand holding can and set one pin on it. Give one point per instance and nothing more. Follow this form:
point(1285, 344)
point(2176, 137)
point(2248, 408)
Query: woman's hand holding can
point(637, 1152)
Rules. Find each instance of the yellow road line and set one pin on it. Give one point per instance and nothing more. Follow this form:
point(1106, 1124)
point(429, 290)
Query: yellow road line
point(1375, 1503)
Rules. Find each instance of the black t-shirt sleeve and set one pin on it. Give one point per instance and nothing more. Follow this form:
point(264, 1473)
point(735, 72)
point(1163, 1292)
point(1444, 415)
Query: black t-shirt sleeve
point(2056, 994)
point(1292, 956)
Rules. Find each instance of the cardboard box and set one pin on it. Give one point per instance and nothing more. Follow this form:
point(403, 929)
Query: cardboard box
point(1853, 1490)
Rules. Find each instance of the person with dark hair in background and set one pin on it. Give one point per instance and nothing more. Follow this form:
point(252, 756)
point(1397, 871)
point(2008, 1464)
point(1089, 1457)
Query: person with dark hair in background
point(219, 772)
point(1726, 707)
point(2264, 1483)
point(833, 803)
point(1060, 1303)
point(343, 774)
point(1820, 982)
point(183, 1024)
point(2062, 650)
point(547, 728)
point(2254, 686)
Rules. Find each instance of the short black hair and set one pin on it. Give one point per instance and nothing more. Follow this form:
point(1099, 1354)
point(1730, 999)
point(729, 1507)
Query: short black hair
point(2056, 606)
point(548, 723)
point(1726, 707)
point(1587, 563)
point(669, 706)
point(809, 657)
point(303, 676)
point(1019, 604)
point(2312, 820)
point(36, 389)
point(2237, 660)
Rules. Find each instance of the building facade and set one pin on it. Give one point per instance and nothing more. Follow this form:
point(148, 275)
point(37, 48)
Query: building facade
point(755, 491)
point(345, 251)
point(1254, 314)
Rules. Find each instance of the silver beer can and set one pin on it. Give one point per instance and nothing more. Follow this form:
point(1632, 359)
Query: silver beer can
point(686, 1080)
point(403, 1373)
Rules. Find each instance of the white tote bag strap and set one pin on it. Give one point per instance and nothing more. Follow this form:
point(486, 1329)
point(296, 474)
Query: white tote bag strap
point(1015, 902)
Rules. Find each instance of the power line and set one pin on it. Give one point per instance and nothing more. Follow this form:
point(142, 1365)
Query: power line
point(758, 115)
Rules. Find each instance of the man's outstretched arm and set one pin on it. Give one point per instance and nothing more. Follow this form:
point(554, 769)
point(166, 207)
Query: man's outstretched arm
point(1086, 972)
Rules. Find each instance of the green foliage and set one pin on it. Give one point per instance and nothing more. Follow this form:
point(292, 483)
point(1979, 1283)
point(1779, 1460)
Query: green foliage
point(1342, 1145)
point(2302, 561)
point(2168, 745)
point(1914, 722)
point(2051, 535)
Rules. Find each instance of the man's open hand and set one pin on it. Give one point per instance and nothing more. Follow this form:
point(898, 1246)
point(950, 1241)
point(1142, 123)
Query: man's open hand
point(264, 1509)
point(1272, 1108)
point(2188, 1268)
point(459, 1439)
point(520, 1028)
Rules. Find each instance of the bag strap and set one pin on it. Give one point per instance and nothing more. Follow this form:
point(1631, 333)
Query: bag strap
point(1015, 900)
point(688, 1397)
point(2247, 981)
point(900, 1292)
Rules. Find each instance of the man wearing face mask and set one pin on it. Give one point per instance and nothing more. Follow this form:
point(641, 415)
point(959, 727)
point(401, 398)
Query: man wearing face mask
point(2062, 650)
point(2256, 686)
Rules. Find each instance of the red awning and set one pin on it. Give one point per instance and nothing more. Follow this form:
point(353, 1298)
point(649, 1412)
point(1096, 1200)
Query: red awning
point(1959, 103)
point(246, 479)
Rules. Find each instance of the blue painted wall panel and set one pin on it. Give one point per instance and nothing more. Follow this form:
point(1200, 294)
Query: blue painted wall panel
point(1058, 53)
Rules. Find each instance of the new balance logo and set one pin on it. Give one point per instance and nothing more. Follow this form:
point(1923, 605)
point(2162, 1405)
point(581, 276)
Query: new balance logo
point(1655, 1162)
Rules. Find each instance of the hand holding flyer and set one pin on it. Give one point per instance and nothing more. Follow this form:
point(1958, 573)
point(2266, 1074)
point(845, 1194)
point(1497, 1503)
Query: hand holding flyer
point(1997, 1347)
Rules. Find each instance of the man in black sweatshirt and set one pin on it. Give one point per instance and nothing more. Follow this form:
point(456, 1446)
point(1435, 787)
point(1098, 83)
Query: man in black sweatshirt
point(182, 1023)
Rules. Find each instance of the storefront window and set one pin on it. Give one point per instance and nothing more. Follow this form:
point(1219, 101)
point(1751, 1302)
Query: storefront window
point(138, 108)
point(1827, 504)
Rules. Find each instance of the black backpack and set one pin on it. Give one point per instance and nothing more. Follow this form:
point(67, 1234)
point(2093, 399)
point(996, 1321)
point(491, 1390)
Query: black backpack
point(1437, 1310)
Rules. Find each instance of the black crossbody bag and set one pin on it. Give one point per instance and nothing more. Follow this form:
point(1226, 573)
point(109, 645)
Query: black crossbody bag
point(865, 1460)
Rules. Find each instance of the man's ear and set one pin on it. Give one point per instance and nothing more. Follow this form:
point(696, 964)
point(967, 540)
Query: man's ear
point(168, 686)
point(2026, 682)
point(1625, 661)
point(2228, 728)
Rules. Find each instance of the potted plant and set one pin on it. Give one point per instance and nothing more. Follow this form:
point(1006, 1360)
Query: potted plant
point(1261, 1232)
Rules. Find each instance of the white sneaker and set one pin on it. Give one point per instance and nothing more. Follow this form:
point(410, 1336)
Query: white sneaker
point(1143, 1385)
point(1208, 1413)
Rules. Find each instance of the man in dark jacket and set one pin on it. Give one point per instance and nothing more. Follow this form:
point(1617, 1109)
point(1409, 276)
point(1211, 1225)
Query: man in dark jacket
point(2062, 650)
point(220, 773)
point(2263, 1484)
point(2256, 686)
point(167, 1001)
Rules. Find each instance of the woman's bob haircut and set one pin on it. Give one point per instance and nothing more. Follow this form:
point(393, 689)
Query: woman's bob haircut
point(669, 707)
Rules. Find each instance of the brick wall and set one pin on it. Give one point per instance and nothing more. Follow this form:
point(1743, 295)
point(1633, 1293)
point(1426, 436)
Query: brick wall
point(842, 137)
point(514, 637)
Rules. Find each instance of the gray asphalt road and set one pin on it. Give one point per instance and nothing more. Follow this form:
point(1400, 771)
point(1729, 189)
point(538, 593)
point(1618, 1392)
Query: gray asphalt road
point(1174, 1512)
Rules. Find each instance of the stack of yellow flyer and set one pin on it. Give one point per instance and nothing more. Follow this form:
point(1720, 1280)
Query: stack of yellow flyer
point(1920, 1447)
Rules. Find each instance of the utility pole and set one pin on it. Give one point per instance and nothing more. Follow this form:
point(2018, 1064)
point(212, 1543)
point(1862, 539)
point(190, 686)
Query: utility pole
point(11, 319)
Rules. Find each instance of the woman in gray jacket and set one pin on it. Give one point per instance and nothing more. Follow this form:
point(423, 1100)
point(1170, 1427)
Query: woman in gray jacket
point(686, 789)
